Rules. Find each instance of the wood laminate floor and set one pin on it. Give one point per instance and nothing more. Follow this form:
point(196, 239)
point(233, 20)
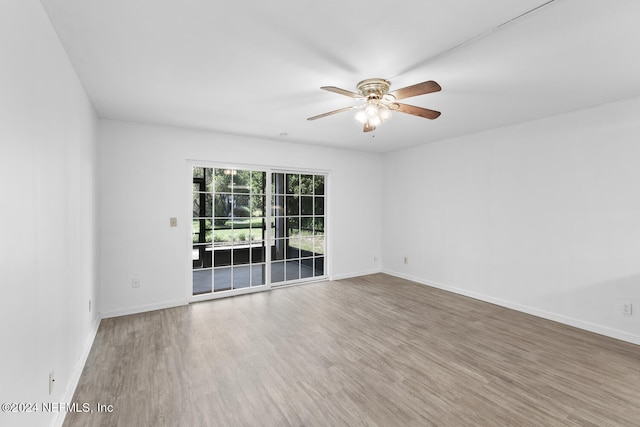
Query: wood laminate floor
point(374, 350)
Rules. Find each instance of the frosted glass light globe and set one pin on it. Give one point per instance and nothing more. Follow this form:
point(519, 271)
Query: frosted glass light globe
point(371, 111)
point(384, 113)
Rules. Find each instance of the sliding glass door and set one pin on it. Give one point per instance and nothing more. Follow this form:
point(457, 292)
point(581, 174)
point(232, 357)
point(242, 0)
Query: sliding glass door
point(255, 228)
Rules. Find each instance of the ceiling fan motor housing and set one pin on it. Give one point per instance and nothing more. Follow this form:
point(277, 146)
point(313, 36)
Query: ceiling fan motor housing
point(374, 88)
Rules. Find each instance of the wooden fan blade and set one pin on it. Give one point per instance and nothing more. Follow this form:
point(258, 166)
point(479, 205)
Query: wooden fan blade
point(341, 91)
point(319, 116)
point(415, 90)
point(368, 127)
point(416, 111)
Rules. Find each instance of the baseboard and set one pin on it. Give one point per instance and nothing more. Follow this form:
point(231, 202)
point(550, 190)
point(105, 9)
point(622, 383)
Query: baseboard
point(143, 308)
point(180, 302)
point(67, 396)
point(576, 323)
point(354, 274)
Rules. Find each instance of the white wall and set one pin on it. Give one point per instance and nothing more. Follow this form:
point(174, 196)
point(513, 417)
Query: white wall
point(144, 182)
point(543, 217)
point(48, 243)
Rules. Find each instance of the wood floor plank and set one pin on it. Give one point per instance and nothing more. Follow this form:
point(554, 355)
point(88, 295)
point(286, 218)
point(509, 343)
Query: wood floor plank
point(373, 350)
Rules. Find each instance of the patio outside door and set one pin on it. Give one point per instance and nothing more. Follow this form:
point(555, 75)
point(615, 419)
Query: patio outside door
point(254, 229)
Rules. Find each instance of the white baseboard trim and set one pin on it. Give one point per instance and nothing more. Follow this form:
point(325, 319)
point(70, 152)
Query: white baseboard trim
point(577, 323)
point(67, 396)
point(143, 308)
point(180, 302)
point(354, 274)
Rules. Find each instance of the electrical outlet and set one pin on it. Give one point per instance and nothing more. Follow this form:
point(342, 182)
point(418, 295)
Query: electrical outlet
point(135, 283)
point(627, 308)
point(52, 379)
point(173, 222)
point(406, 260)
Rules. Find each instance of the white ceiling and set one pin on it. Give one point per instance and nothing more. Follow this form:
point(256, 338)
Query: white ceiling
point(254, 67)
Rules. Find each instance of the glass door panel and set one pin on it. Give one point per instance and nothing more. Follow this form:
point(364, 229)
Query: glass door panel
point(297, 227)
point(229, 229)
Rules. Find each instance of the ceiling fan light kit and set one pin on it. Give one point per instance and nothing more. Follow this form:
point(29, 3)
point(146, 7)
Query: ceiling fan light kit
point(379, 102)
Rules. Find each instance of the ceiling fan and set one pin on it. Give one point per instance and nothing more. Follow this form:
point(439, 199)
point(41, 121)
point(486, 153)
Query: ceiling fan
point(379, 102)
